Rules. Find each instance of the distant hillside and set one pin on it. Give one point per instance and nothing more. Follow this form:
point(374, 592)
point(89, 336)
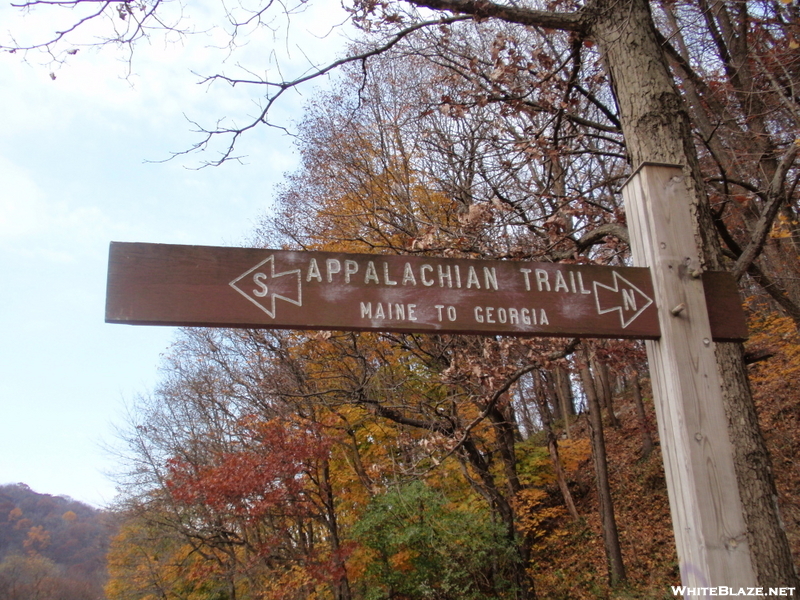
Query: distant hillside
point(51, 547)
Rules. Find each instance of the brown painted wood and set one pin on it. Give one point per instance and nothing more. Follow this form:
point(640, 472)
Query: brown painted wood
point(724, 304)
point(160, 284)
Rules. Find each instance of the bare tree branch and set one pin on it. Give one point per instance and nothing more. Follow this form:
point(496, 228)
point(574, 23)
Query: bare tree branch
point(575, 22)
point(510, 380)
point(283, 86)
point(593, 237)
point(775, 197)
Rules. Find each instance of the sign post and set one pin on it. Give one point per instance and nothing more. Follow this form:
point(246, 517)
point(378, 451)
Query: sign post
point(707, 514)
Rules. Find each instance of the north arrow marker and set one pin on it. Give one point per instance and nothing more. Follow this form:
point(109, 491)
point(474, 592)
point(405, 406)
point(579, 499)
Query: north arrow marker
point(628, 299)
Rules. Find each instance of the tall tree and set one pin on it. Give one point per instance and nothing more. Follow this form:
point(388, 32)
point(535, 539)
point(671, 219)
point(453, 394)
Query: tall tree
point(616, 567)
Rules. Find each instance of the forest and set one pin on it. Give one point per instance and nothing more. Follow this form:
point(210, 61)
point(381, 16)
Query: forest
point(51, 547)
point(274, 464)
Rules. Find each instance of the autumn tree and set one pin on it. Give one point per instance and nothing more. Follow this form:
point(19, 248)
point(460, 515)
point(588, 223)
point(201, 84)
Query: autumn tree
point(31, 577)
point(237, 479)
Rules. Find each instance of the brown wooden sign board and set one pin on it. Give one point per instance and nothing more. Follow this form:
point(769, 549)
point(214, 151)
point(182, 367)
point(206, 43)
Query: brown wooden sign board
point(160, 284)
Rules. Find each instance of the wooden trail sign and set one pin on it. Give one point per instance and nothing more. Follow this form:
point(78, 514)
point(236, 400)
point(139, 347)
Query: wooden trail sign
point(159, 284)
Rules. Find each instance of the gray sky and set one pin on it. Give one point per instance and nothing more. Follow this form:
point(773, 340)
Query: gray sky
point(73, 177)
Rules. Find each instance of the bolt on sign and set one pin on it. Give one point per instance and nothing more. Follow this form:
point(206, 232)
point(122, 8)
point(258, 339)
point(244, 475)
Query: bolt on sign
point(160, 284)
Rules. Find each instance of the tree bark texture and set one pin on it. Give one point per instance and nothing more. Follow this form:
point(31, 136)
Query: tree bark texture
point(602, 377)
point(771, 551)
point(616, 568)
point(644, 429)
point(564, 392)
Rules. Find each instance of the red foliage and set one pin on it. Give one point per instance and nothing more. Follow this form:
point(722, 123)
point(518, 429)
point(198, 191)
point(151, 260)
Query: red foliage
point(266, 468)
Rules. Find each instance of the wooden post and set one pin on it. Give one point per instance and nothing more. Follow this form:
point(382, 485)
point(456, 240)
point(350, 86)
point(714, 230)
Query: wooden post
point(707, 516)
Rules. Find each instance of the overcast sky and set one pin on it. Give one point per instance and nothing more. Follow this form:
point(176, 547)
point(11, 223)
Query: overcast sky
point(73, 177)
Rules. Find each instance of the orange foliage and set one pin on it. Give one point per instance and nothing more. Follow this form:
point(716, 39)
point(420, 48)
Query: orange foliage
point(69, 516)
point(38, 539)
point(776, 391)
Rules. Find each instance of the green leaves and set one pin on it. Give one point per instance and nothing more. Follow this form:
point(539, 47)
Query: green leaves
point(424, 547)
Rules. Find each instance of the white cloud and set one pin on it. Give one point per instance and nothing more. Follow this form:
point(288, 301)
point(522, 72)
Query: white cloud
point(33, 222)
point(22, 208)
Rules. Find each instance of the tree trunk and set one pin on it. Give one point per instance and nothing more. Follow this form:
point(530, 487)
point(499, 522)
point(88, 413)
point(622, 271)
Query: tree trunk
point(553, 401)
point(657, 129)
point(488, 489)
point(340, 585)
point(601, 378)
point(564, 392)
point(527, 418)
point(561, 478)
point(771, 552)
point(552, 446)
point(616, 568)
point(644, 429)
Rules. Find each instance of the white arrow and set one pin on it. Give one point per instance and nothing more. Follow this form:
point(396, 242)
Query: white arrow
point(265, 290)
point(634, 300)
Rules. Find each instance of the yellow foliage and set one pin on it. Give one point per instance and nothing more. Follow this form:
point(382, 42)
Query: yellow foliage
point(780, 335)
point(536, 467)
point(287, 584)
point(38, 539)
point(360, 559)
point(144, 564)
point(534, 518)
point(364, 217)
point(574, 453)
point(783, 227)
